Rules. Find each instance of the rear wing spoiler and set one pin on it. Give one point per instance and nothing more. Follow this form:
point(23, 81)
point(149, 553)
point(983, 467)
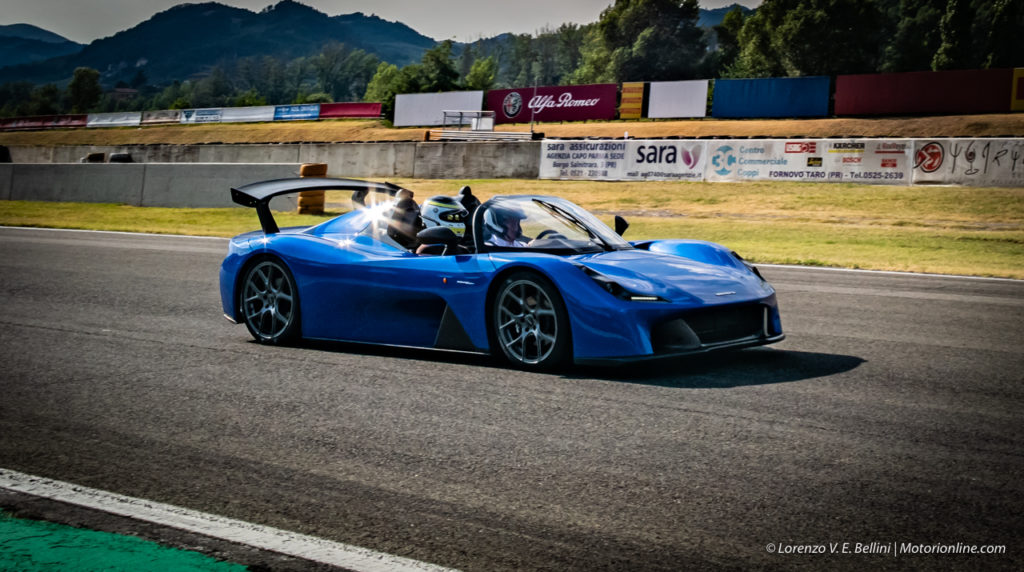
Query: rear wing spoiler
point(258, 195)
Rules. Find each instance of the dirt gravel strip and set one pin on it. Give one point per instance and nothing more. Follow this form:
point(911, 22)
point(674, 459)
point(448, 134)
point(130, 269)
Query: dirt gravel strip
point(262, 537)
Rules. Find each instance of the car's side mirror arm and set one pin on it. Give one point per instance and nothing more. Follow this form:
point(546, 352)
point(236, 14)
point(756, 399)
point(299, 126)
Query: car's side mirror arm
point(620, 225)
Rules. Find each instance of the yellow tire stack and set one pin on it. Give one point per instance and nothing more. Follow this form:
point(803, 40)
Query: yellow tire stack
point(312, 202)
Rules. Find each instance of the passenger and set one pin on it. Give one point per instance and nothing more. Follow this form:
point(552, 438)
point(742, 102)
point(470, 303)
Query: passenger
point(443, 211)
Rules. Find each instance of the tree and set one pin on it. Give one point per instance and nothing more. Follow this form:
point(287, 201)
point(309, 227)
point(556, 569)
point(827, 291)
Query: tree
point(955, 31)
point(916, 37)
point(810, 37)
point(328, 65)
point(84, 91)
point(1002, 49)
point(383, 88)
point(645, 40)
point(481, 74)
point(569, 50)
point(439, 72)
point(249, 99)
point(45, 100)
point(727, 38)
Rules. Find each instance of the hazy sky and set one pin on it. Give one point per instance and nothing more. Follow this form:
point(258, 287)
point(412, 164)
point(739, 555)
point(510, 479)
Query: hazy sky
point(463, 20)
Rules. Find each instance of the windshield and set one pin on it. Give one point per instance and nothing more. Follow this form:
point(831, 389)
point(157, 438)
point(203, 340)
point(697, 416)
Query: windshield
point(543, 223)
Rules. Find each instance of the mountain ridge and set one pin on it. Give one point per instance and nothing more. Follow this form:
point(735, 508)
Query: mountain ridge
point(188, 40)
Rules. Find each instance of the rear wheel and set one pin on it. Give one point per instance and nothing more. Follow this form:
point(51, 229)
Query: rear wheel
point(530, 323)
point(270, 303)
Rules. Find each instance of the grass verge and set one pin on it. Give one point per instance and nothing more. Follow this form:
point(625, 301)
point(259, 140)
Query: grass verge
point(955, 230)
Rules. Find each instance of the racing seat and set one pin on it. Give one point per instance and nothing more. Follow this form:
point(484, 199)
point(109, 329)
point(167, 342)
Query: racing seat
point(405, 220)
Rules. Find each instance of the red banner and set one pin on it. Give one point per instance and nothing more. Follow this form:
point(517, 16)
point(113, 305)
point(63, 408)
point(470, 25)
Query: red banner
point(332, 110)
point(553, 103)
point(42, 122)
point(958, 91)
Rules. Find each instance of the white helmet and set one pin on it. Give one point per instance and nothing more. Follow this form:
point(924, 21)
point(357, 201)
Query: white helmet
point(444, 211)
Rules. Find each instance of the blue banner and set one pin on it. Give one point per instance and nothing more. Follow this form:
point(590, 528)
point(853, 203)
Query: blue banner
point(301, 111)
point(773, 97)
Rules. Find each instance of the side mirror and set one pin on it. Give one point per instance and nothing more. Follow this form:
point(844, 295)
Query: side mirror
point(439, 235)
point(620, 225)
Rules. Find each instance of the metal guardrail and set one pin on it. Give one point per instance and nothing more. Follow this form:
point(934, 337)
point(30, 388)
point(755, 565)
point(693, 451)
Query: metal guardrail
point(456, 135)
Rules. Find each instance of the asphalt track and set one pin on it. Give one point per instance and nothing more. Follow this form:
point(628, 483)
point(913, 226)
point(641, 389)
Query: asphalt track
point(893, 413)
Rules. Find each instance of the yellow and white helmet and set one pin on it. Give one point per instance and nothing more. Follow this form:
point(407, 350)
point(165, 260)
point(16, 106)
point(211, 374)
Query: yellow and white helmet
point(444, 211)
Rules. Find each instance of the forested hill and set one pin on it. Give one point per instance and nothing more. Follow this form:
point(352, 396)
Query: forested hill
point(23, 43)
point(190, 39)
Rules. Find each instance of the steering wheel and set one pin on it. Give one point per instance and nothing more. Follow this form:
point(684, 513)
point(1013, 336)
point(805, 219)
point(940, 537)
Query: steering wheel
point(549, 233)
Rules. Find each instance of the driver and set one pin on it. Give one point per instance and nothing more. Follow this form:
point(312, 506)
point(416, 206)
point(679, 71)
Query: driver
point(502, 224)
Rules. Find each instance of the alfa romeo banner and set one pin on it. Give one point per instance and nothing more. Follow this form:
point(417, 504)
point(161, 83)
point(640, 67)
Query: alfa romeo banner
point(623, 160)
point(981, 162)
point(876, 161)
point(553, 103)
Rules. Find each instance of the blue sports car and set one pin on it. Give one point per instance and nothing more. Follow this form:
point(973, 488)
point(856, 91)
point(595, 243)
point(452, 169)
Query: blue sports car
point(535, 280)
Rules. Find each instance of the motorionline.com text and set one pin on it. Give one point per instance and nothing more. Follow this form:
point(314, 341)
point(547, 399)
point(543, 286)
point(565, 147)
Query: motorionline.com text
point(886, 548)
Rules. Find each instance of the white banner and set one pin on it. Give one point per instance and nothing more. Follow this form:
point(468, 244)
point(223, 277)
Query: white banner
point(623, 160)
point(872, 161)
point(678, 99)
point(415, 109)
point(247, 114)
point(977, 162)
point(117, 119)
point(208, 115)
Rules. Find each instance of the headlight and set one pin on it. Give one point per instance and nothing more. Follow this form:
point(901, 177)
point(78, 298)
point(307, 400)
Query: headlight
point(616, 289)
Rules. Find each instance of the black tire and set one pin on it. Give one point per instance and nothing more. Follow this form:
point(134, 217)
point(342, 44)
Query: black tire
point(269, 303)
point(529, 322)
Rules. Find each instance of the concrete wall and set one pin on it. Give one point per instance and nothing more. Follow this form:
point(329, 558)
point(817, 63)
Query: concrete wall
point(204, 184)
point(89, 183)
point(6, 172)
point(458, 160)
point(363, 159)
point(139, 184)
point(286, 153)
point(434, 160)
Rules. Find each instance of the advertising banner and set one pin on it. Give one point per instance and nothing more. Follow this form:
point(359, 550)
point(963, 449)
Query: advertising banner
point(632, 104)
point(42, 122)
point(208, 115)
point(553, 103)
point(415, 109)
point(1017, 93)
point(297, 112)
point(116, 119)
point(870, 161)
point(678, 99)
point(623, 160)
point(977, 162)
point(771, 97)
point(955, 91)
point(247, 114)
point(162, 116)
point(71, 120)
point(333, 110)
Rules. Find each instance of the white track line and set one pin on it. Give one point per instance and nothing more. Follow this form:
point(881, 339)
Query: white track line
point(124, 232)
point(261, 537)
point(883, 272)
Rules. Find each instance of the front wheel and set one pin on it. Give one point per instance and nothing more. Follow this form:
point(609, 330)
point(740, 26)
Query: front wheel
point(530, 323)
point(270, 303)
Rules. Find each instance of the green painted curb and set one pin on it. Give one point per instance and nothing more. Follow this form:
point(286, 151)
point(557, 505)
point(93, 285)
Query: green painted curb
point(30, 545)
